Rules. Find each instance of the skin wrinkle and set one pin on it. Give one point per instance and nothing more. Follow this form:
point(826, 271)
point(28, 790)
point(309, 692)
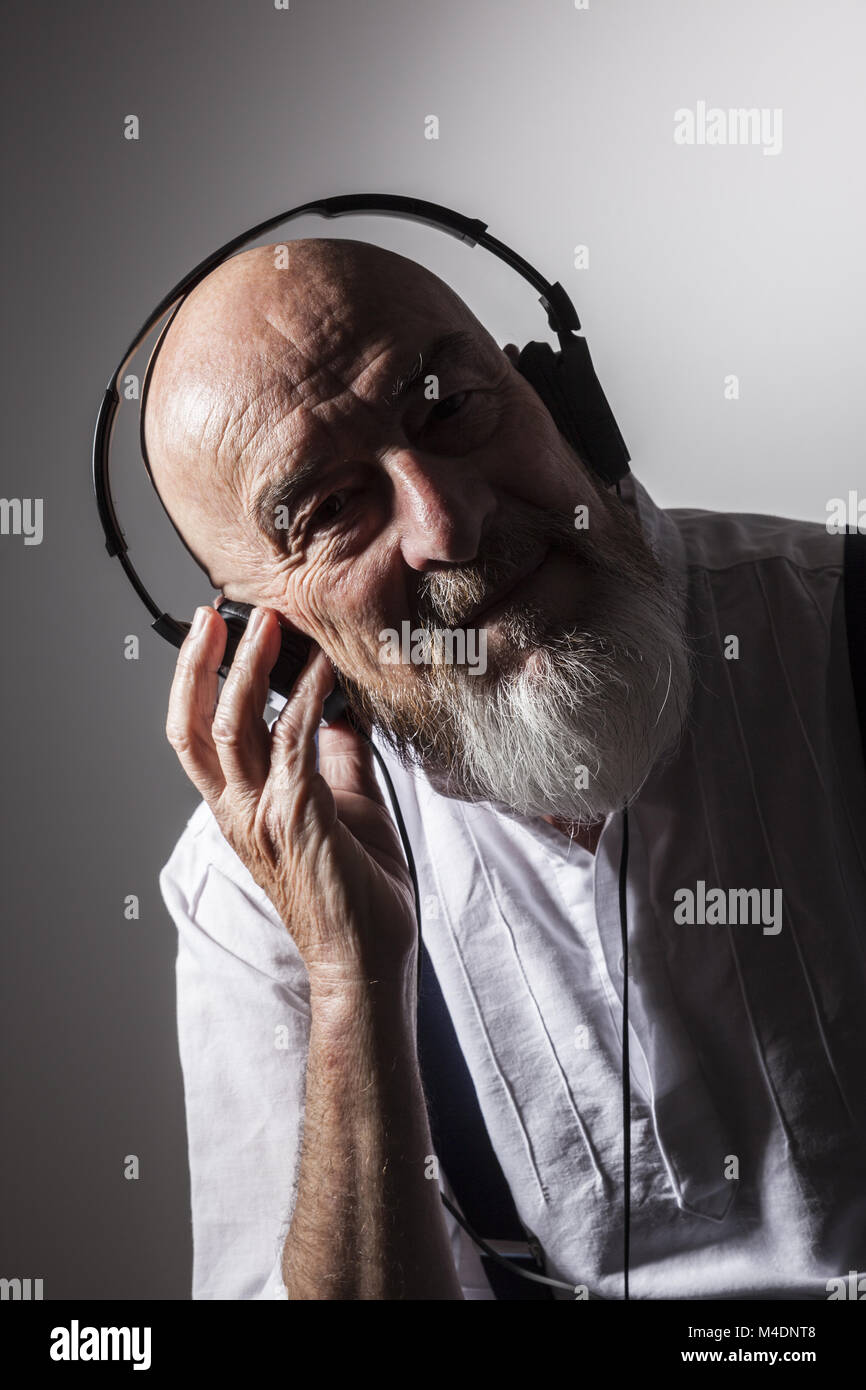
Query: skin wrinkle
point(401, 385)
point(265, 369)
point(321, 369)
point(259, 403)
point(231, 425)
point(258, 508)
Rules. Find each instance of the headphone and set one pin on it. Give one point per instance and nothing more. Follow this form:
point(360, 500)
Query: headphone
point(566, 383)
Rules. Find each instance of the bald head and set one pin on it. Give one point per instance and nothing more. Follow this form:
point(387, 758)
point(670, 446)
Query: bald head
point(258, 358)
point(339, 439)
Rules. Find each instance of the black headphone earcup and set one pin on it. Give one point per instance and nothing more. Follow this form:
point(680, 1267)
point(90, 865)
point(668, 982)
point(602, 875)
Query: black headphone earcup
point(294, 646)
point(294, 650)
point(537, 363)
point(567, 384)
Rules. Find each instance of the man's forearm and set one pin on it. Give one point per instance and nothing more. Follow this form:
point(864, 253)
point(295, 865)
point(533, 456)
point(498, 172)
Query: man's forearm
point(368, 1222)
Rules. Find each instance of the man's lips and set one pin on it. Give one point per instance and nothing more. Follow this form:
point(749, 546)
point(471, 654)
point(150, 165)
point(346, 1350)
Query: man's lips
point(498, 597)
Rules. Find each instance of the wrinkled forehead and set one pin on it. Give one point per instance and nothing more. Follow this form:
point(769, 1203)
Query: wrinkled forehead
point(273, 360)
point(360, 344)
point(340, 320)
point(289, 310)
point(342, 347)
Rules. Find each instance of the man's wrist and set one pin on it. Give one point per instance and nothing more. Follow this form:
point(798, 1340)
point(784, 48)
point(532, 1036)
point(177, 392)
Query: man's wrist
point(341, 991)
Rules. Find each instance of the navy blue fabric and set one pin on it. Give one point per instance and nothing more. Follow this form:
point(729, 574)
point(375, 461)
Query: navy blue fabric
point(461, 1140)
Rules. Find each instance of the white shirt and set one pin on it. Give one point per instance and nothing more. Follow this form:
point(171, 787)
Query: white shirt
point(748, 1048)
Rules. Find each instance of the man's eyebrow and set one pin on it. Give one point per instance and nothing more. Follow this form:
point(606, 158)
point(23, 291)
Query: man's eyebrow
point(284, 491)
point(458, 348)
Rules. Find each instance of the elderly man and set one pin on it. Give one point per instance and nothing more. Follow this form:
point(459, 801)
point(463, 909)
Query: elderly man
point(343, 445)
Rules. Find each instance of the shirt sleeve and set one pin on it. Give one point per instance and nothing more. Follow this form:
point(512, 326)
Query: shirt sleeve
point(243, 1020)
point(243, 1036)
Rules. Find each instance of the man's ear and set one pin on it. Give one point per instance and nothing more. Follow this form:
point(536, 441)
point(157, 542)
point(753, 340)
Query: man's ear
point(512, 352)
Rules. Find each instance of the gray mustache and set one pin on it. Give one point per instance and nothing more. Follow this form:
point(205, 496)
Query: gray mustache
point(449, 596)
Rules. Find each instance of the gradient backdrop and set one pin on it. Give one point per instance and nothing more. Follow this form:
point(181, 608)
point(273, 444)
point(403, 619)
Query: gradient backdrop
point(556, 128)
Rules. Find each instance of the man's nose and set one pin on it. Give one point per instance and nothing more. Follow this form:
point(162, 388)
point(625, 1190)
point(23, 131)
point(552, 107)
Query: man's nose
point(441, 508)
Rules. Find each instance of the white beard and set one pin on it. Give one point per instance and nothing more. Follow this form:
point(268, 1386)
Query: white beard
point(610, 699)
point(575, 731)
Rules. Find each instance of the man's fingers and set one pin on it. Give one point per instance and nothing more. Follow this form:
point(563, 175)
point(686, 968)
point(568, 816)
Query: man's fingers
point(240, 734)
point(191, 704)
point(293, 750)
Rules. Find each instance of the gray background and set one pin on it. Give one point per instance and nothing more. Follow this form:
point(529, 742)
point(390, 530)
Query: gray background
point(556, 128)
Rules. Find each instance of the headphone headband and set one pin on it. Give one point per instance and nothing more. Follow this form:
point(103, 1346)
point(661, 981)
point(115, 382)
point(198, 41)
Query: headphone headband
point(561, 317)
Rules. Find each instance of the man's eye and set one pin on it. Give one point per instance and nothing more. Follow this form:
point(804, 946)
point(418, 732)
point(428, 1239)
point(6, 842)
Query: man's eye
point(330, 509)
point(449, 406)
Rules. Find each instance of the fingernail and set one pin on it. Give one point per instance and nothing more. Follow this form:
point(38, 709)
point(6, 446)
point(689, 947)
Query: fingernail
point(255, 622)
point(198, 622)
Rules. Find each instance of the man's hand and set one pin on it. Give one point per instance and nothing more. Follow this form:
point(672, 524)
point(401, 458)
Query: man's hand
point(321, 844)
point(366, 1222)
